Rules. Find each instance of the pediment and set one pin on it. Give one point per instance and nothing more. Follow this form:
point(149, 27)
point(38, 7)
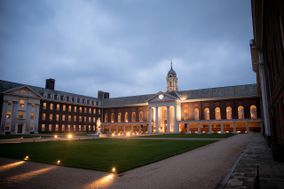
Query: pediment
point(23, 91)
point(162, 97)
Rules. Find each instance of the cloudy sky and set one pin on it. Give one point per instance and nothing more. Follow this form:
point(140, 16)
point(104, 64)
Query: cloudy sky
point(125, 46)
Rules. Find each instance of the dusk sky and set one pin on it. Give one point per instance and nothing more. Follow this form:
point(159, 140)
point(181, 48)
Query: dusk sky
point(125, 46)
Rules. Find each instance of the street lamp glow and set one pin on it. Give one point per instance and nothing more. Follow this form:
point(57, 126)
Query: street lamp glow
point(70, 136)
point(55, 136)
point(58, 162)
point(26, 158)
point(113, 170)
point(127, 134)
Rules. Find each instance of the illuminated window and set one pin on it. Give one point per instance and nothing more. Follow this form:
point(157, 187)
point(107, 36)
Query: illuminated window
point(51, 106)
point(196, 113)
point(32, 115)
point(89, 127)
point(80, 128)
point(85, 110)
point(228, 112)
point(8, 115)
point(140, 116)
point(80, 109)
point(253, 112)
point(21, 115)
point(22, 103)
point(69, 117)
point(106, 118)
point(50, 117)
point(126, 117)
point(94, 119)
point(64, 107)
point(218, 113)
point(133, 117)
point(69, 108)
point(63, 117)
point(74, 118)
point(90, 119)
point(241, 114)
point(49, 127)
point(69, 127)
point(99, 111)
point(75, 108)
point(119, 117)
point(63, 127)
point(85, 118)
point(90, 110)
point(185, 112)
point(44, 105)
point(206, 114)
point(85, 128)
point(57, 107)
point(74, 127)
point(80, 118)
point(94, 110)
point(112, 117)
point(43, 116)
point(57, 117)
point(56, 127)
point(43, 127)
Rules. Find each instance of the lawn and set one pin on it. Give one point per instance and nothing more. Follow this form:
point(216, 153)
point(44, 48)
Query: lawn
point(101, 154)
point(214, 135)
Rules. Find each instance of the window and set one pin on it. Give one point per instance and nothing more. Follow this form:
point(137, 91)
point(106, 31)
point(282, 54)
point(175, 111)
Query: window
point(80, 128)
point(126, 117)
point(74, 127)
point(80, 109)
point(186, 112)
point(75, 108)
point(119, 117)
point(69, 117)
point(140, 116)
point(74, 118)
point(90, 119)
point(50, 117)
point(67, 98)
point(22, 103)
point(112, 117)
point(85, 118)
point(85, 128)
point(241, 112)
point(94, 119)
point(90, 110)
point(88, 101)
point(43, 127)
point(8, 115)
point(62, 127)
point(57, 117)
point(49, 127)
point(57, 107)
point(44, 105)
point(64, 107)
point(55, 97)
point(69, 127)
point(9, 103)
point(48, 96)
point(33, 105)
point(85, 110)
point(69, 108)
point(196, 113)
point(228, 112)
point(43, 116)
point(51, 106)
point(62, 97)
point(56, 127)
point(31, 127)
point(218, 113)
point(32, 115)
point(99, 111)
point(106, 118)
point(253, 112)
point(206, 114)
point(63, 117)
point(94, 110)
point(73, 99)
point(21, 115)
point(80, 118)
point(133, 117)
point(78, 100)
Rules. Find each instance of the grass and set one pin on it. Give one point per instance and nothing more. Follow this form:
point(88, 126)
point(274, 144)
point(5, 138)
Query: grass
point(214, 135)
point(101, 154)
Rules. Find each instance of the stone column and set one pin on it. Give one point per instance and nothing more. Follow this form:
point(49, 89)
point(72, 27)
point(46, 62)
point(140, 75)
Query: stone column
point(168, 120)
point(157, 120)
point(123, 129)
point(222, 128)
point(234, 127)
point(176, 129)
point(116, 129)
point(247, 127)
point(187, 128)
point(210, 128)
point(198, 128)
point(150, 120)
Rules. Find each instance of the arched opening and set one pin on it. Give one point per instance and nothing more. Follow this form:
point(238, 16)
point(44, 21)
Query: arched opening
point(119, 117)
point(106, 118)
point(186, 112)
point(228, 112)
point(206, 114)
point(196, 113)
point(112, 117)
point(253, 112)
point(133, 117)
point(140, 116)
point(218, 113)
point(241, 114)
point(126, 117)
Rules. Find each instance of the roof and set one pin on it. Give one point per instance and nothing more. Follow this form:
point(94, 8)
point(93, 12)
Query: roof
point(6, 85)
point(239, 91)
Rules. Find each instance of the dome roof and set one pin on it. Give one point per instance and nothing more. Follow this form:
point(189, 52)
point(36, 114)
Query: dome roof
point(172, 71)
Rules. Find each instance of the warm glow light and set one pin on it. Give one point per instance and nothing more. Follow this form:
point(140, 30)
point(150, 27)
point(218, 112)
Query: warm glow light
point(113, 170)
point(119, 134)
point(70, 136)
point(30, 174)
point(58, 162)
point(127, 134)
point(11, 165)
point(55, 136)
point(103, 182)
point(113, 134)
point(26, 158)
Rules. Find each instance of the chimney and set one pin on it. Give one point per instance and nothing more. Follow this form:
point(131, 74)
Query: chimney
point(50, 83)
point(103, 95)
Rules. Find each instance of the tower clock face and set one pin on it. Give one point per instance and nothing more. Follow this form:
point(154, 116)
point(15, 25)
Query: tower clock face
point(161, 96)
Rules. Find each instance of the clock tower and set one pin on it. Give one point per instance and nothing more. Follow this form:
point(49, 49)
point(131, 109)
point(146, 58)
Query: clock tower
point(172, 80)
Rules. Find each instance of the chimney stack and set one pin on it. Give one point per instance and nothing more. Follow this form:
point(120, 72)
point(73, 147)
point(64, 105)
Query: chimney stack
point(50, 83)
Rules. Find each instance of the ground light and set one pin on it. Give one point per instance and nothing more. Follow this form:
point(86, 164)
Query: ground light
point(26, 158)
point(69, 136)
point(127, 134)
point(113, 170)
point(113, 134)
point(58, 162)
point(55, 136)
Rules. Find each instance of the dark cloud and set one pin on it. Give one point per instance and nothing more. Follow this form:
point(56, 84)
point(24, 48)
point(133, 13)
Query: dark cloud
point(125, 47)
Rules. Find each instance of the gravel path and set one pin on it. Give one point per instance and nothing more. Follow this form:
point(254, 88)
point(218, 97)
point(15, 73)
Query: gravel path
point(200, 168)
